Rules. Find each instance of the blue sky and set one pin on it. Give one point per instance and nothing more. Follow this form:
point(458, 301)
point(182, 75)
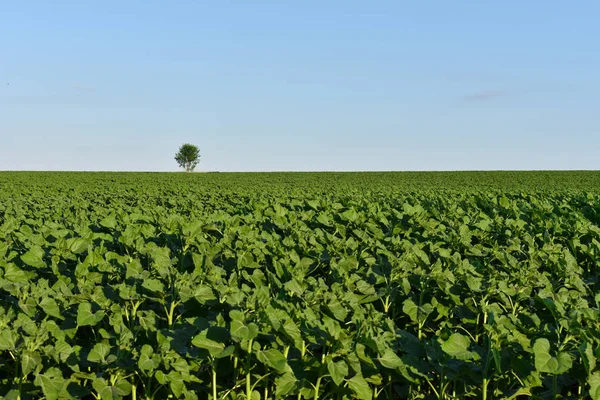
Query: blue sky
point(300, 85)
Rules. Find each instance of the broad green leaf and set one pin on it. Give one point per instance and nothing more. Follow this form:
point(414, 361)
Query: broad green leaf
point(29, 306)
point(78, 245)
point(360, 388)
point(109, 222)
point(202, 341)
point(338, 310)
point(50, 307)
point(99, 353)
point(161, 377)
point(203, 294)
point(52, 383)
point(594, 382)
point(546, 363)
point(85, 316)
point(292, 331)
point(273, 358)
point(241, 331)
point(12, 273)
point(338, 370)
point(8, 339)
point(30, 361)
point(34, 257)
point(457, 346)
point(153, 285)
point(285, 384)
point(63, 350)
point(294, 287)
point(176, 383)
point(107, 391)
point(416, 313)
point(229, 350)
point(147, 320)
point(390, 360)
point(587, 357)
point(162, 260)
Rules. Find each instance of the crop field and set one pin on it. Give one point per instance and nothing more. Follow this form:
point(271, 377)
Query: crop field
point(454, 285)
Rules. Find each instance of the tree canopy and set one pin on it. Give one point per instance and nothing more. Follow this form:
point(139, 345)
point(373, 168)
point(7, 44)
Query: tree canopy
point(188, 157)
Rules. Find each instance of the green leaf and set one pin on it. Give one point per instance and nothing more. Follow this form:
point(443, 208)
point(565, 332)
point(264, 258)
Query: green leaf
point(85, 316)
point(50, 307)
point(109, 222)
point(587, 357)
point(338, 310)
point(8, 340)
point(30, 361)
point(34, 257)
point(147, 320)
point(110, 392)
point(205, 340)
point(273, 358)
point(546, 363)
point(594, 382)
point(338, 371)
point(416, 313)
point(390, 360)
point(203, 294)
point(161, 377)
point(29, 306)
point(63, 350)
point(52, 383)
point(229, 350)
point(292, 331)
point(99, 353)
point(153, 285)
point(241, 331)
point(457, 346)
point(360, 388)
point(162, 260)
point(12, 273)
point(176, 383)
point(285, 384)
point(294, 287)
point(146, 361)
point(78, 245)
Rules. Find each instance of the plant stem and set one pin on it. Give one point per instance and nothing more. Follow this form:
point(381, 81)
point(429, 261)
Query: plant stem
point(484, 389)
point(442, 386)
point(320, 376)
point(248, 375)
point(171, 312)
point(214, 380)
point(486, 368)
point(302, 353)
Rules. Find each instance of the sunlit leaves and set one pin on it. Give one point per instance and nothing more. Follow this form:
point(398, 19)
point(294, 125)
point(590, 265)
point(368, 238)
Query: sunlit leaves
point(547, 362)
point(110, 285)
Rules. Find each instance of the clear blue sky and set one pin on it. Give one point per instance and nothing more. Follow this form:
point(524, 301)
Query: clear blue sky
point(300, 85)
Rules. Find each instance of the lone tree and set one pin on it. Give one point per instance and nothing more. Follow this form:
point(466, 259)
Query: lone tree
point(188, 157)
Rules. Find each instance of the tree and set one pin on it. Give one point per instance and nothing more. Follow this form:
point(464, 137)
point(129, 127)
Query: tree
point(188, 157)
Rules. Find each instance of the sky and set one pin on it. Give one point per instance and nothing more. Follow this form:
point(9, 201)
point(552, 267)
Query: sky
point(300, 85)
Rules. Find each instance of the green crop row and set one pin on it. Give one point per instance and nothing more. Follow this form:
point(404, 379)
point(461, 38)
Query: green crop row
point(300, 286)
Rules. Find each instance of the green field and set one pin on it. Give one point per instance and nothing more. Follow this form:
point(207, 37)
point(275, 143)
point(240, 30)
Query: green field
point(446, 285)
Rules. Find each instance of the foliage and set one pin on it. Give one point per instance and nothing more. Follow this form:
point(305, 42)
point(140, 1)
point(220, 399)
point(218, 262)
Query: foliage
point(300, 286)
point(188, 157)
